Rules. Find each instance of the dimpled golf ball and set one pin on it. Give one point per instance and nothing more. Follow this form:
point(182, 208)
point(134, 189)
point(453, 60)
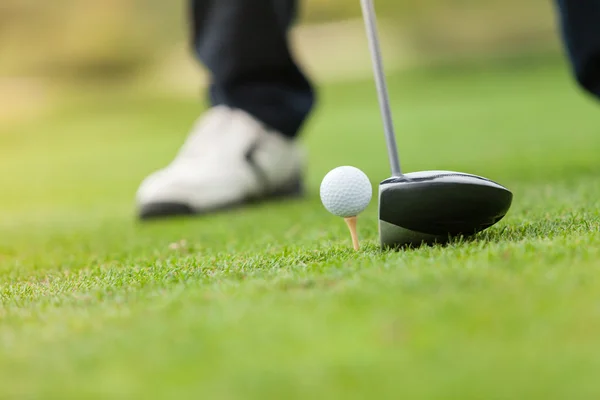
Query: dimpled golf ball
point(346, 191)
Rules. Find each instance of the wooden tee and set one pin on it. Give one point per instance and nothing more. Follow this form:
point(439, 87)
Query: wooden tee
point(351, 222)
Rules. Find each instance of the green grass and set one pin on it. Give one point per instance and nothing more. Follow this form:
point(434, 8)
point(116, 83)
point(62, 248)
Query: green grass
point(270, 302)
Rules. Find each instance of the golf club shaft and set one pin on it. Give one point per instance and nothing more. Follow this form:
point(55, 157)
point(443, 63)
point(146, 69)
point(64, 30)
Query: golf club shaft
point(384, 102)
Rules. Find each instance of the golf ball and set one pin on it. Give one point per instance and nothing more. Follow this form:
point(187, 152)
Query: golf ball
point(346, 191)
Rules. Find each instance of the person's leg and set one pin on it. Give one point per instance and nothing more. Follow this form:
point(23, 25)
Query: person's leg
point(244, 45)
point(242, 149)
point(580, 23)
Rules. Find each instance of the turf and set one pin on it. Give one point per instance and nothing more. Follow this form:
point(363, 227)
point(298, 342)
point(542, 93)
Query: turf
point(270, 302)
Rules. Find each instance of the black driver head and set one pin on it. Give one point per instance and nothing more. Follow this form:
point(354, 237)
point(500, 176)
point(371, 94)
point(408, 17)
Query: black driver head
point(435, 206)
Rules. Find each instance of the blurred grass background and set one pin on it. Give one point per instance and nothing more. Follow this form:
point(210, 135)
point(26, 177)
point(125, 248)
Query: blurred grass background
point(74, 62)
point(52, 46)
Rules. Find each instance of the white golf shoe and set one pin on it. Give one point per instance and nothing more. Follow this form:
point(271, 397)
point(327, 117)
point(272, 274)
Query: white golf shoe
point(229, 159)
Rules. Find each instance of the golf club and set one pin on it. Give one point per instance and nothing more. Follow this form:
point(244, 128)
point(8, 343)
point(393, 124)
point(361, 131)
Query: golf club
point(430, 206)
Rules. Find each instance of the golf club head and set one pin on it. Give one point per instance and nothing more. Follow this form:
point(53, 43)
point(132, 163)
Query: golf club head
point(434, 206)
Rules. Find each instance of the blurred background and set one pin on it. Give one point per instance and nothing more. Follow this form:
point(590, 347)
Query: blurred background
point(98, 94)
point(49, 47)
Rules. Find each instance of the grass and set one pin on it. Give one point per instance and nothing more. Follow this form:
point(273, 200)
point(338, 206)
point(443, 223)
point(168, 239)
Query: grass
point(270, 302)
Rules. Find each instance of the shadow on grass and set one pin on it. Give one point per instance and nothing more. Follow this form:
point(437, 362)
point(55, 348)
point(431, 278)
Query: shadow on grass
point(548, 228)
point(540, 229)
point(543, 228)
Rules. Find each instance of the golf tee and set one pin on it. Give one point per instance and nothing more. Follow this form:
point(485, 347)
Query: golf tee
point(351, 222)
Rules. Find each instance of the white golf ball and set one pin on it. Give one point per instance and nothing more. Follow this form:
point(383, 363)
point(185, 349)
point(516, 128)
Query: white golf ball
point(346, 191)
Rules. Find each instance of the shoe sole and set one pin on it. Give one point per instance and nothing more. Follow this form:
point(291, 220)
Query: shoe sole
point(160, 210)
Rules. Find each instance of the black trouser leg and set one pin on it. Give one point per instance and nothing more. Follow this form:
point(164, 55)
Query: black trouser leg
point(580, 22)
point(244, 45)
